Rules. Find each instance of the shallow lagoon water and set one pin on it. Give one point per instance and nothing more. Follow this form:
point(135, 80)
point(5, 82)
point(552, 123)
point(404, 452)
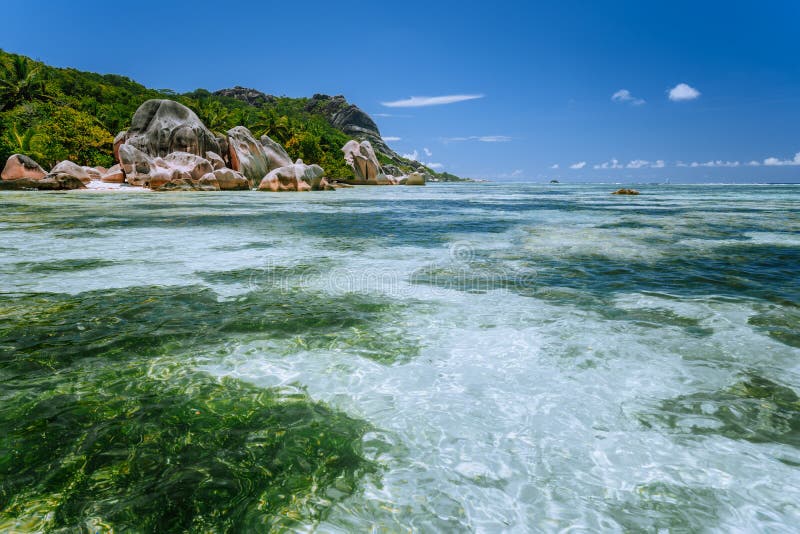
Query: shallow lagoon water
point(483, 357)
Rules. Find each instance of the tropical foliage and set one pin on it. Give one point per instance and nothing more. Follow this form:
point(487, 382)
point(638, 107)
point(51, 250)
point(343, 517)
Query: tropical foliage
point(53, 114)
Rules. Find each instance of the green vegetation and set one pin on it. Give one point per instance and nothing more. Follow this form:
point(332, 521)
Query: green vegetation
point(754, 409)
point(51, 114)
point(106, 424)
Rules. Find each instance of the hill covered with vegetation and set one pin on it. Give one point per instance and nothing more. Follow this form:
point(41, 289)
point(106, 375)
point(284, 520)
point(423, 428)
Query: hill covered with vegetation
point(53, 114)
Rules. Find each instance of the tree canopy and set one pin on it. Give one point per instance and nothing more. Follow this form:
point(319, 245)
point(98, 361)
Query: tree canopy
point(51, 114)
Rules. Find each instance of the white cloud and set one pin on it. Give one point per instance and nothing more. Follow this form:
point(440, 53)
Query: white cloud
point(683, 92)
point(423, 101)
point(414, 156)
point(427, 151)
point(391, 138)
point(623, 95)
point(554, 166)
point(775, 162)
point(578, 165)
point(481, 138)
point(613, 164)
point(753, 163)
point(638, 164)
point(717, 163)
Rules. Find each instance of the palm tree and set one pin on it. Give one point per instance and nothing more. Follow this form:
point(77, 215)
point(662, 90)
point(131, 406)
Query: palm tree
point(278, 128)
point(21, 142)
point(215, 116)
point(20, 82)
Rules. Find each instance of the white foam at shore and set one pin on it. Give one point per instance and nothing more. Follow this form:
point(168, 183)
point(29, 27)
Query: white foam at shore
point(98, 185)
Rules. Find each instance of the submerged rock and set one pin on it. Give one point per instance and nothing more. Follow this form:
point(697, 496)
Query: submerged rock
point(160, 127)
point(247, 155)
point(19, 167)
point(625, 192)
point(361, 157)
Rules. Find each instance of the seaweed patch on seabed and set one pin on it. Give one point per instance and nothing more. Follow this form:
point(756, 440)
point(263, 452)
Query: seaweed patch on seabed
point(658, 506)
point(753, 409)
point(104, 424)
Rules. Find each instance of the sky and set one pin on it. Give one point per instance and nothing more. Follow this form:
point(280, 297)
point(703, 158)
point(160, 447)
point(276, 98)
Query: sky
point(621, 91)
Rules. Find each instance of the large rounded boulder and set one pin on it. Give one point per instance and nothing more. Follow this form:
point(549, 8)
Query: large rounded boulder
point(361, 157)
point(20, 167)
point(295, 177)
point(415, 178)
point(230, 180)
point(247, 155)
point(276, 154)
point(114, 175)
point(177, 171)
point(135, 164)
point(68, 168)
point(60, 182)
point(160, 127)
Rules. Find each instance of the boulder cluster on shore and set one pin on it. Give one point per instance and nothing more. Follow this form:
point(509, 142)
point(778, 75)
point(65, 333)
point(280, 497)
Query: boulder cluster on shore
point(168, 148)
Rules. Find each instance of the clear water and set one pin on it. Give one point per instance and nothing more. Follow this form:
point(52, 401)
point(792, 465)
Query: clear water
point(477, 357)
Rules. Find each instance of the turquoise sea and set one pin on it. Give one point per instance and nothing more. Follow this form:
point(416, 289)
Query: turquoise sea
point(453, 358)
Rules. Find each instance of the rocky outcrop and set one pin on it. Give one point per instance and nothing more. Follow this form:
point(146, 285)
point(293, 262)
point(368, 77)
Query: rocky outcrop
point(276, 154)
point(415, 178)
point(295, 177)
point(135, 164)
point(224, 149)
point(175, 171)
point(61, 182)
point(348, 118)
point(247, 155)
point(361, 157)
point(353, 121)
point(160, 127)
point(625, 192)
point(114, 175)
point(216, 160)
point(342, 115)
point(19, 167)
point(230, 180)
point(251, 96)
point(184, 162)
point(118, 140)
point(68, 168)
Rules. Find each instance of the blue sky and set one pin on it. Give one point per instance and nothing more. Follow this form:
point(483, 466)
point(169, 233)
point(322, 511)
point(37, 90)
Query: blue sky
point(542, 76)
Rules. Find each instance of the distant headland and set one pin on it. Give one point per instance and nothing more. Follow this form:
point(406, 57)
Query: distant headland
point(232, 139)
